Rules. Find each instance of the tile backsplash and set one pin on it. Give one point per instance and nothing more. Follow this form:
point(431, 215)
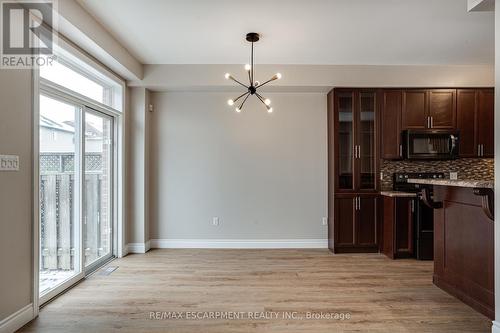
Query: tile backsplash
point(467, 168)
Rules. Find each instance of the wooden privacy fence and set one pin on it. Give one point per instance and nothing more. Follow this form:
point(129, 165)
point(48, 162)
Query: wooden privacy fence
point(58, 234)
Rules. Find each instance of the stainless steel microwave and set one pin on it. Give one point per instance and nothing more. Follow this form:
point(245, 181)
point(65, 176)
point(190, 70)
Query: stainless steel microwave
point(430, 144)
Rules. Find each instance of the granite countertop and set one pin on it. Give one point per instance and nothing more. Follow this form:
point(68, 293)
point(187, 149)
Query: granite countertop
point(396, 194)
point(458, 183)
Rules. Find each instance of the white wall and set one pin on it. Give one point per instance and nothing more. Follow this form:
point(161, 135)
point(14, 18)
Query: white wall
point(264, 175)
point(315, 78)
point(138, 167)
point(16, 194)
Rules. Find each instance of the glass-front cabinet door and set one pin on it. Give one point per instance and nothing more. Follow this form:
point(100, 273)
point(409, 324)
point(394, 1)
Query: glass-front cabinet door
point(366, 141)
point(345, 141)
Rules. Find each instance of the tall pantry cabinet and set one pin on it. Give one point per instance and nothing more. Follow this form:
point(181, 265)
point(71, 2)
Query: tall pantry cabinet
point(353, 169)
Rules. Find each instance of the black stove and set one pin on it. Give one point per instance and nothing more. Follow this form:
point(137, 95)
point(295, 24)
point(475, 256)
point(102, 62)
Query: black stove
point(400, 180)
point(423, 215)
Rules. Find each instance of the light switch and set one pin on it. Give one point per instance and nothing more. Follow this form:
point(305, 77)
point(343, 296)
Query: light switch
point(9, 163)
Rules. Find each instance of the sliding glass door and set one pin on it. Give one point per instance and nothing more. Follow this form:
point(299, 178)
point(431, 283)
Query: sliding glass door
point(76, 192)
point(97, 237)
point(60, 170)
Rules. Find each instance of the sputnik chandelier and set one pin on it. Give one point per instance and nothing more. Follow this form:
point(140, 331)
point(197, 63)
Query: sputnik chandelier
point(254, 85)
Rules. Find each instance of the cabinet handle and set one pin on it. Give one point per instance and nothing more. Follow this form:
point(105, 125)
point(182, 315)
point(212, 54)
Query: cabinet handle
point(359, 151)
point(428, 122)
point(400, 150)
point(432, 122)
point(482, 150)
point(478, 150)
point(413, 206)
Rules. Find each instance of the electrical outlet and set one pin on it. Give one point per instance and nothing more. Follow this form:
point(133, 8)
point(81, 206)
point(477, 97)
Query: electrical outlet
point(381, 175)
point(215, 221)
point(9, 163)
point(453, 175)
point(324, 221)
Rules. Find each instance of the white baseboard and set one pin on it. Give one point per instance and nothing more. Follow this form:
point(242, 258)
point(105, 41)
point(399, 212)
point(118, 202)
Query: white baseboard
point(496, 327)
point(239, 243)
point(17, 320)
point(138, 247)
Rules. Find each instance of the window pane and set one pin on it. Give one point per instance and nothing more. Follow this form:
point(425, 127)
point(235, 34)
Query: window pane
point(68, 78)
point(59, 227)
point(74, 73)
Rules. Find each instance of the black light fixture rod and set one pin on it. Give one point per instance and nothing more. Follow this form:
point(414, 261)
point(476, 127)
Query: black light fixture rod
point(237, 98)
point(261, 98)
point(270, 80)
point(232, 78)
point(243, 103)
point(251, 83)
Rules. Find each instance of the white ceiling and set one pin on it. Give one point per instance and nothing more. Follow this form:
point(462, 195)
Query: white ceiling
point(314, 32)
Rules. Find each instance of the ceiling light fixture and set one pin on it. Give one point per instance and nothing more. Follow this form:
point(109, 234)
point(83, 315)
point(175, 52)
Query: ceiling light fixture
point(252, 37)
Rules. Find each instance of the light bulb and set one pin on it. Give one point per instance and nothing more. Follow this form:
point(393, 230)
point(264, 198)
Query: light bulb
point(278, 76)
point(227, 76)
point(270, 110)
point(238, 110)
point(230, 102)
point(256, 83)
point(248, 67)
point(267, 101)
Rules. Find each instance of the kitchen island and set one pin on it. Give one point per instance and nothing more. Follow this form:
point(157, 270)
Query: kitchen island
point(463, 240)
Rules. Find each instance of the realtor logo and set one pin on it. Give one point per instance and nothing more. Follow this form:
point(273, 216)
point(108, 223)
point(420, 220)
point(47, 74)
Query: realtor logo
point(27, 33)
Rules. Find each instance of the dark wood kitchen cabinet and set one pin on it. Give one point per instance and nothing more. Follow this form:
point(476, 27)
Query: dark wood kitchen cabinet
point(415, 109)
point(397, 225)
point(429, 109)
point(464, 248)
point(353, 158)
point(466, 121)
point(475, 121)
point(353, 140)
point(485, 123)
point(354, 223)
point(391, 146)
point(442, 108)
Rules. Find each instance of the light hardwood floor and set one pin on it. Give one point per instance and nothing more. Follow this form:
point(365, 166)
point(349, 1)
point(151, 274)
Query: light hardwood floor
point(381, 295)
